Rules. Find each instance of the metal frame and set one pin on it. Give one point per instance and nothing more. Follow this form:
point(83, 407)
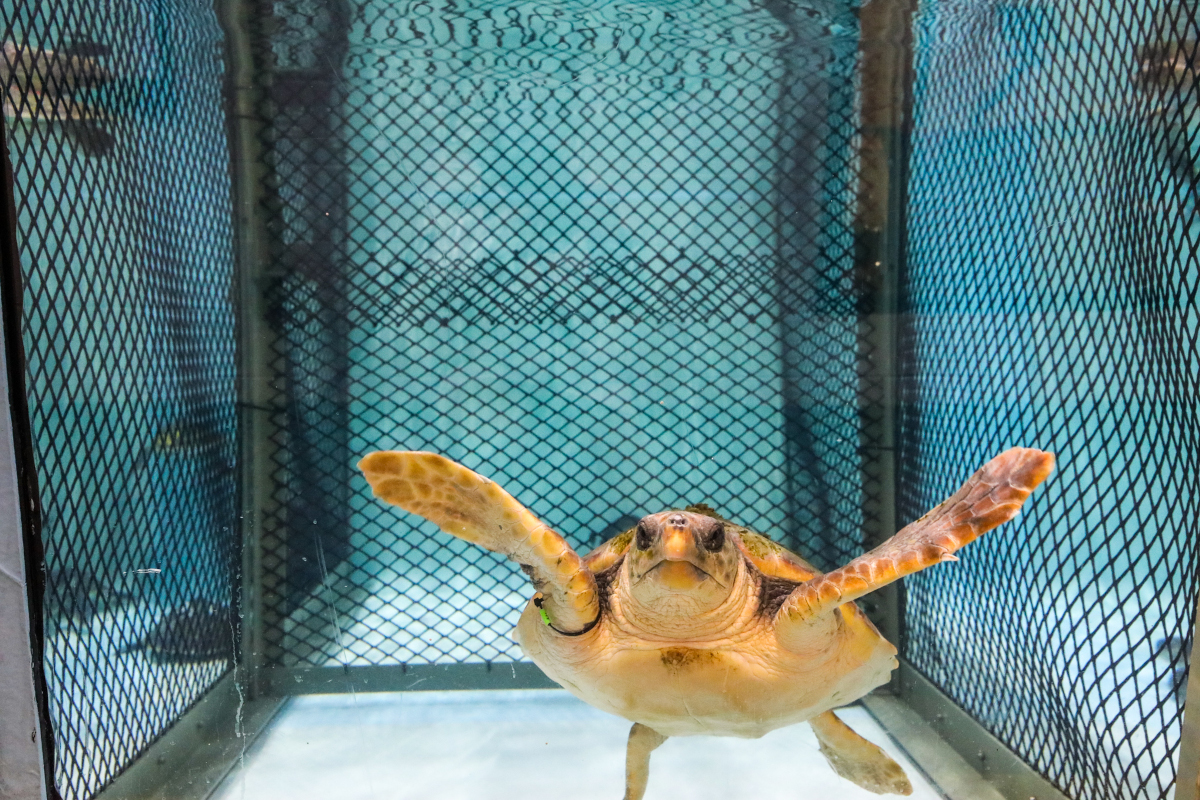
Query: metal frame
point(995, 763)
point(971, 763)
point(944, 768)
point(299, 95)
point(405, 678)
point(22, 774)
point(954, 750)
point(245, 98)
point(200, 749)
point(205, 743)
point(26, 746)
point(1187, 779)
point(886, 87)
point(921, 717)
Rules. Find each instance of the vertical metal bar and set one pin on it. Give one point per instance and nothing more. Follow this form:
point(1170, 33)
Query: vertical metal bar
point(886, 84)
point(21, 771)
point(809, 291)
point(310, 303)
point(245, 101)
point(26, 740)
point(1187, 781)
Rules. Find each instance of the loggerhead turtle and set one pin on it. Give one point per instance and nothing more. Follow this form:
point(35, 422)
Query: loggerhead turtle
point(690, 624)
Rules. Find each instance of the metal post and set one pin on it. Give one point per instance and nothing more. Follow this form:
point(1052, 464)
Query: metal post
point(245, 102)
point(1187, 782)
point(26, 752)
point(886, 80)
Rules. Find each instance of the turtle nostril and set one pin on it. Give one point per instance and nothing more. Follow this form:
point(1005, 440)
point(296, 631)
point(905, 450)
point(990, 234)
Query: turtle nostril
point(677, 520)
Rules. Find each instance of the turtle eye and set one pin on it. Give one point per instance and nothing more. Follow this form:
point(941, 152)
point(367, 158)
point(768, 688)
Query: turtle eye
point(715, 539)
point(643, 537)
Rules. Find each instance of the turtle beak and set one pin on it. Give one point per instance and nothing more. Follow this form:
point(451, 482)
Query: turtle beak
point(681, 556)
point(678, 544)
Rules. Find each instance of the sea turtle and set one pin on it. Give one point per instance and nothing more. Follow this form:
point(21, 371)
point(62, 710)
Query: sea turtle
point(690, 624)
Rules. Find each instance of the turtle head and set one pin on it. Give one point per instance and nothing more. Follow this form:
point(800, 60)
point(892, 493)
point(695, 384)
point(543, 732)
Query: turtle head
point(681, 559)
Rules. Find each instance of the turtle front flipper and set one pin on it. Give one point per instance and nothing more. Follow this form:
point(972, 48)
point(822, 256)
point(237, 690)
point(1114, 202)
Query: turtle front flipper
point(473, 508)
point(990, 497)
point(856, 759)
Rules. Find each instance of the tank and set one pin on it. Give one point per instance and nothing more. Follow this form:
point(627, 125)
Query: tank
point(707, 399)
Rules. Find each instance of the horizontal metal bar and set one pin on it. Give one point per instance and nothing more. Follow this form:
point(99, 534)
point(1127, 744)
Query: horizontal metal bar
point(196, 753)
point(998, 765)
point(283, 681)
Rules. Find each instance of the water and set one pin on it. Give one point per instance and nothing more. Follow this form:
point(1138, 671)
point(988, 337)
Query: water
point(808, 263)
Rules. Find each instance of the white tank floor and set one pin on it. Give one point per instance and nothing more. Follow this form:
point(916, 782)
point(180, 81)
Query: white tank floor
point(537, 743)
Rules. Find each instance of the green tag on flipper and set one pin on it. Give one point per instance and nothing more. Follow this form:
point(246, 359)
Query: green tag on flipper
point(545, 616)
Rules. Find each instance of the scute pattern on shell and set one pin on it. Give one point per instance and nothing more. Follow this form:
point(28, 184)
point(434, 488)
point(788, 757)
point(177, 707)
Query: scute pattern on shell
point(609, 553)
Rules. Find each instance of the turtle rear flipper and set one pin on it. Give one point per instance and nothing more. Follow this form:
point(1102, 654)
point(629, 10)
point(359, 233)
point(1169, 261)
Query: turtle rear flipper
point(990, 497)
point(473, 508)
point(642, 742)
point(856, 759)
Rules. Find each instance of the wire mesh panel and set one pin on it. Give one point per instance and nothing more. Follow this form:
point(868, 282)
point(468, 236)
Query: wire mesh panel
point(601, 254)
point(117, 140)
point(1052, 287)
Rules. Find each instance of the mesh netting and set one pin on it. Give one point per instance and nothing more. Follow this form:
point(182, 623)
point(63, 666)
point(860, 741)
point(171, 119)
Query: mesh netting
point(601, 255)
point(117, 141)
point(1052, 287)
point(604, 255)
